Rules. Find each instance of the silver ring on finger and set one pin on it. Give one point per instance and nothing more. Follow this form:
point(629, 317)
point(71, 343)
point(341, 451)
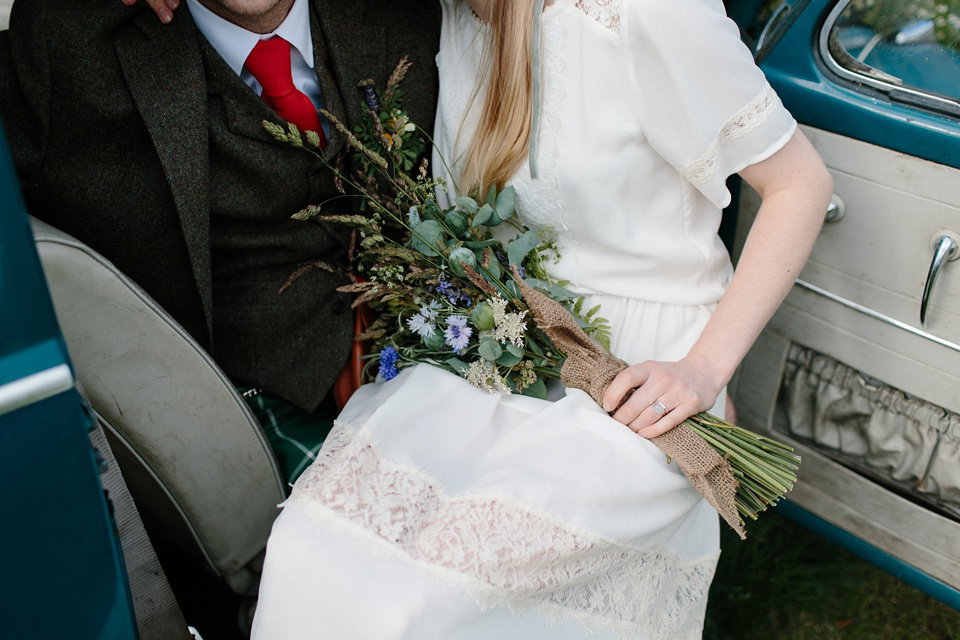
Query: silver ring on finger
point(659, 408)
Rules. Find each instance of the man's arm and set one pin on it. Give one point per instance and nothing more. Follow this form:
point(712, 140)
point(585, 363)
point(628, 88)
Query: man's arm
point(25, 87)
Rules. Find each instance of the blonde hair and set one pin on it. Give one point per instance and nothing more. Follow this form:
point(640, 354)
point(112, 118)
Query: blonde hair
point(502, 139)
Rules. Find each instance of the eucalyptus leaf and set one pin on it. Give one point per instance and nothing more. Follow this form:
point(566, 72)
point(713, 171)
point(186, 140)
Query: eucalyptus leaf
point(482, 216)
point(514, 349)
point(467, 203)
point(492, 195)
point(481, 244)
point(537, 390)
point(555, 291)
point(457, 365)
point(425, 236)
point(413, 216)
point(519, 247)
point(506, 203)
point(490, 263)
point(432, 209)
point(490, 349)
point(508, 359)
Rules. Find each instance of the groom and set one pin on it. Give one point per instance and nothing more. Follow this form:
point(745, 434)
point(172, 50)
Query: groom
point(144, 140)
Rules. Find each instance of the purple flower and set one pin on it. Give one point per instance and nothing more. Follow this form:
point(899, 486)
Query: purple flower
point(451, 292)
point(388, 363)
point(370, 95)
point(457, 333)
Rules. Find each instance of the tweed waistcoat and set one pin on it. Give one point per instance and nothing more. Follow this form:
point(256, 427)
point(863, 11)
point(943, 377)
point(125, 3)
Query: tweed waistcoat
point(265, 337)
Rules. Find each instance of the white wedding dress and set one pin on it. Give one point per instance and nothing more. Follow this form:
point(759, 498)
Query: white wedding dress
point(437, 511)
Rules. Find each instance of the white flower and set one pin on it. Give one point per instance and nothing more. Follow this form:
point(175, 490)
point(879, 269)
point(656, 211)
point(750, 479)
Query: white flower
point(420, 325)
point(484, 375)
point(429, 310)
point(510, 326)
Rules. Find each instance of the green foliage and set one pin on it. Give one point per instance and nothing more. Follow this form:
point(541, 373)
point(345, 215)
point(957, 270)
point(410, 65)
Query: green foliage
point(443, 287)
point(786, 583)
point(889, 16)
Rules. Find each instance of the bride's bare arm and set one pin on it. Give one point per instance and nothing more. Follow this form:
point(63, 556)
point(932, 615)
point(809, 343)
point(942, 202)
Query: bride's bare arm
point(795, 188)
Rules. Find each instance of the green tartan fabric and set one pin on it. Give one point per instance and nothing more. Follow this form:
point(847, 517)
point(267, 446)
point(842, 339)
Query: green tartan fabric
point(295, 435)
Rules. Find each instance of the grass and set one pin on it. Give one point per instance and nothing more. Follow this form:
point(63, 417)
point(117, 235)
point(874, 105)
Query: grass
point(785, 583)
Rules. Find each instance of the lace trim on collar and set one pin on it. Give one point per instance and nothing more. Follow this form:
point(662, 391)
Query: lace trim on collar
point(605, 12)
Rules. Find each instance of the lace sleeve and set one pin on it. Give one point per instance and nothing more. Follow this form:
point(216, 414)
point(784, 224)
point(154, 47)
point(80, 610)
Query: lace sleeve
point(702, 102)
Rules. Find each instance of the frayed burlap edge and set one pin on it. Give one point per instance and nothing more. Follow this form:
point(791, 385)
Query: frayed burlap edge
point(591, 368)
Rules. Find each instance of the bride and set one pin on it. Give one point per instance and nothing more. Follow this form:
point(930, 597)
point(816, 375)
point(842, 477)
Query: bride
point(439, 511)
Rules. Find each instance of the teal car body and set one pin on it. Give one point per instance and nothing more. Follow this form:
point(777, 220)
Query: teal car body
point(63, 573)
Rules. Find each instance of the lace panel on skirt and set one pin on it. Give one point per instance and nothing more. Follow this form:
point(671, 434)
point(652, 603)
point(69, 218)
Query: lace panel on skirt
point(502, 552)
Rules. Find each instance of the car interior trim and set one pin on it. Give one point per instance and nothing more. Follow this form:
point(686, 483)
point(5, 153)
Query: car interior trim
point(876, 315)
point(35, 387)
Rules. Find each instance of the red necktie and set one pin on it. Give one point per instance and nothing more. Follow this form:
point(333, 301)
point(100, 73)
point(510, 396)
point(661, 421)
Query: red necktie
point(269, 62)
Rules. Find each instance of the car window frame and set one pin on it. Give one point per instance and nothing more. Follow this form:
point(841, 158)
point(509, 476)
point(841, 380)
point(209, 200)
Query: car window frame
point(870, 79)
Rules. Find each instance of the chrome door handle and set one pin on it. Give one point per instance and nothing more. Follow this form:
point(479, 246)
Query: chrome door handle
point(836, 209)
point(945, 247)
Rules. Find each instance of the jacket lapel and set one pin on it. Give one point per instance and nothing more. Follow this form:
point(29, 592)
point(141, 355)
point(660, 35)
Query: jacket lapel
point(164, 72)
point(355, 50)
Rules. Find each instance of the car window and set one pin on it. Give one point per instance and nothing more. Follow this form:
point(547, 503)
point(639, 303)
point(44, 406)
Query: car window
point(911, 48)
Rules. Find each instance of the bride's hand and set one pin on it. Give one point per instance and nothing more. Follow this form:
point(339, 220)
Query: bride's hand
point(665, 394)
point(163, 8)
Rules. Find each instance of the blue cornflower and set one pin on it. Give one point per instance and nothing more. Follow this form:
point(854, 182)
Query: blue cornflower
point(388, 363)
point(457, 333)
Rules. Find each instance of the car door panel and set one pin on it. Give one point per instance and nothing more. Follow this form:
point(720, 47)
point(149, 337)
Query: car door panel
point(846, 371)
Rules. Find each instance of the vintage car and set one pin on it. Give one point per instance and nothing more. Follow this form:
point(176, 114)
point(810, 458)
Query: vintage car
point(859, 370)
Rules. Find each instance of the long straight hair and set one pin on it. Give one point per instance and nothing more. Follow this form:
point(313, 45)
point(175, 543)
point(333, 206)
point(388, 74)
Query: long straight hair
point(502, 139)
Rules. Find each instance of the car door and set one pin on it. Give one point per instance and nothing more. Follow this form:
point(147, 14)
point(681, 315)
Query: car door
point(860, 368)
point(63, 574)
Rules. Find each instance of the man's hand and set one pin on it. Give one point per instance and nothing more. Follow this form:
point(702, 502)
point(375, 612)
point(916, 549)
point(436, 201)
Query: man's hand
point(163, 8)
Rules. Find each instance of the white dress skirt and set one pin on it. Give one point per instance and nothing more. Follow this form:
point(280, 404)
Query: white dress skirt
point(438, 511)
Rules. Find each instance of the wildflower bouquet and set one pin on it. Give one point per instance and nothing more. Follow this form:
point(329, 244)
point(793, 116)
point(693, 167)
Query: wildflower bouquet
point(461, 287)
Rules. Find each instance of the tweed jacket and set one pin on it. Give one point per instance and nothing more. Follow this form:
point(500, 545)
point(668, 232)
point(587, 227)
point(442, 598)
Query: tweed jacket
point(126, 134)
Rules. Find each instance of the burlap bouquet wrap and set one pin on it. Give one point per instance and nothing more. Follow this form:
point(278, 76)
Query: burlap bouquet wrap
point(591, 368)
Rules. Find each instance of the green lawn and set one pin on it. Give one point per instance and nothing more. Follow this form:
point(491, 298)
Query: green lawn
point(785, 583)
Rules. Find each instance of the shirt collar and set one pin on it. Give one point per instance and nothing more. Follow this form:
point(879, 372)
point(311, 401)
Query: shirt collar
point(234, 43)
